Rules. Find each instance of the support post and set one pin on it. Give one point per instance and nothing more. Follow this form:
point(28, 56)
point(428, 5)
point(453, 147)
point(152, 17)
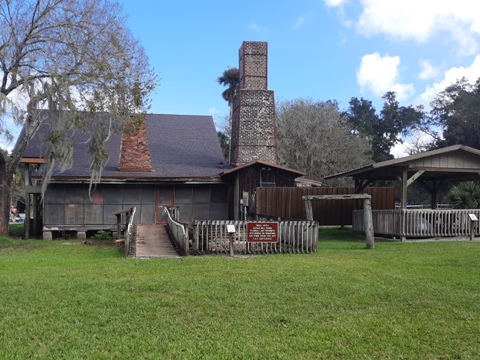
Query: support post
point(308, 209)
point(26, 223)
point(367, 214)
point(403, 204)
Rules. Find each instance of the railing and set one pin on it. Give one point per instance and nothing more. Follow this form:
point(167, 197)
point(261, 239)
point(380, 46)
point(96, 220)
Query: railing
point(178, 231)
point(127, 228)
point(293, 237)
point(128, 233)
point(419, 222)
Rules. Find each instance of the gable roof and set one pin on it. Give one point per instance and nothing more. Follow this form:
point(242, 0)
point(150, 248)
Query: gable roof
point(260, 162)
point(181, 146)
point(457, 161)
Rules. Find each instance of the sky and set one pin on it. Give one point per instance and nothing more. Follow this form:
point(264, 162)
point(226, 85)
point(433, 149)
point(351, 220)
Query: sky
point(318, 49)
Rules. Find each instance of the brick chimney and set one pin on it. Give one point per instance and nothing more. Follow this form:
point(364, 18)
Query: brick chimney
point(134, 152)
point(253, 134)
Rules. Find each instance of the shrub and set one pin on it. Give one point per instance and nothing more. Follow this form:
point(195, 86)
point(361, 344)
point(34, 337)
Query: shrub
point(103, 235)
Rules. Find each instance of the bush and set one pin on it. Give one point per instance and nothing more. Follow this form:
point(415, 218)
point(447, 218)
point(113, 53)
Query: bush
point(103, 235)
point(16, 229)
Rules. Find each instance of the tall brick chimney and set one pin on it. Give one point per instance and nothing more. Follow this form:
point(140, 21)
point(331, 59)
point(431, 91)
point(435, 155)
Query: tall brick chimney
point(134, 152)
point(253, 135)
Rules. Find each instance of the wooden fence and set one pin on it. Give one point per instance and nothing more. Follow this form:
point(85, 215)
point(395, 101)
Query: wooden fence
point(287, 203)
point(210, 237)
point(419, 223)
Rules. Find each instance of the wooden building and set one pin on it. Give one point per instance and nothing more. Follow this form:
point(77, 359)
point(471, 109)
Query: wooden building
point(166, 161)
point(432, 169)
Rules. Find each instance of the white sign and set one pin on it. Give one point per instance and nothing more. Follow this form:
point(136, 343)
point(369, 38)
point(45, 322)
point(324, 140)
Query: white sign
point(473, 217)
point(231, 229)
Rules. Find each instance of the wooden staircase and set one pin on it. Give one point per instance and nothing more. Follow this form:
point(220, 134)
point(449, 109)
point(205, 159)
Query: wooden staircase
point(151, 240)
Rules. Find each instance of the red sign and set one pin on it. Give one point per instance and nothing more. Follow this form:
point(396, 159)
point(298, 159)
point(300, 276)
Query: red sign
point(265, 232)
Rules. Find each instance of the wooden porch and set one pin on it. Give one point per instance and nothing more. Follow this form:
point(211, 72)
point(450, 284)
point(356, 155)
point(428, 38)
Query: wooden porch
point(420, 223)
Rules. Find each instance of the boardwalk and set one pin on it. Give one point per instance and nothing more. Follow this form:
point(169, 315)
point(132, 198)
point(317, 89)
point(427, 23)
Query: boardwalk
point(153, 241)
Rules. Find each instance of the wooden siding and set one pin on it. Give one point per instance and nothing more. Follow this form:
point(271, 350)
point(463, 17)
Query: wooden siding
point(455, 160)
point(287, 203)
point(256, 175)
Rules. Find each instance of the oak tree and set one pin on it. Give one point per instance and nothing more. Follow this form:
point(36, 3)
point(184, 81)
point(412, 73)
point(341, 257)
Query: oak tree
point(457, 111)
point(76, 59)
point(385, 129)
point(314, 136)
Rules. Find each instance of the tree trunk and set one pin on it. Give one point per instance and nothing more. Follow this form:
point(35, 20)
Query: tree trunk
point(5, 195)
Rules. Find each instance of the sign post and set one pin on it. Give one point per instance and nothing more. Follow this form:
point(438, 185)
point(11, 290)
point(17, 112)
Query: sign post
point(473, 221)
point(231, 233)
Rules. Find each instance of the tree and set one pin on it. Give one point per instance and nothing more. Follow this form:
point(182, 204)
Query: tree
point(76, 59)
point(457, 111)
point(231, 79)
point(222, 123)
point(465, 195)
point(382, 131)
point(314, 137)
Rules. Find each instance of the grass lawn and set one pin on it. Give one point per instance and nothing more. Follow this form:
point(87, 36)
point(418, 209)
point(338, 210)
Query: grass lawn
point(65, 300)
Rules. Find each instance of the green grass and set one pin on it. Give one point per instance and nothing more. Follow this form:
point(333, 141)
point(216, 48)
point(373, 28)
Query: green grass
point(65, 300)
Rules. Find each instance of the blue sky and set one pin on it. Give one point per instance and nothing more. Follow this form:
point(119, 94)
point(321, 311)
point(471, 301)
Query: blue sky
point(320, 49)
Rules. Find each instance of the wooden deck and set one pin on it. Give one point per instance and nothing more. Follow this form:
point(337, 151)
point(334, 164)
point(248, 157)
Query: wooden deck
point(153, 241)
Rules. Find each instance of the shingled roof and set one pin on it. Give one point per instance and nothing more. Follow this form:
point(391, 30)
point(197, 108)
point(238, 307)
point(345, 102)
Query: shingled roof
point(181, 146)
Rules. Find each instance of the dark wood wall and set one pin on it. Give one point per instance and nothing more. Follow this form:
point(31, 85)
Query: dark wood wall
point(287, 203)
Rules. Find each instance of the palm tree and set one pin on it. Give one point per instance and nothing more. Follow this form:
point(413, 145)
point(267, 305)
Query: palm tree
point(465, 195)
point(230, 78)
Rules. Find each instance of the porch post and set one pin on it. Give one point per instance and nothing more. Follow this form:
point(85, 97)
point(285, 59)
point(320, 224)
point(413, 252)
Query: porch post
point(236, 198)
point(26, 222)
point(403, 206)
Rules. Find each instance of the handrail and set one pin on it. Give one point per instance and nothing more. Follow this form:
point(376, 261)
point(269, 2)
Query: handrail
point(181, 237)
point(128, 233)
point(127, 229)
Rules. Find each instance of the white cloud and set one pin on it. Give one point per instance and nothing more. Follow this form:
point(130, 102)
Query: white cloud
point(213, 111)
point(471, 73)
point(380, 74)
point(416, 143)
point(254, 27)
point(428, 70)
point(420, 20)
point(335, 3)
point(300, 21)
